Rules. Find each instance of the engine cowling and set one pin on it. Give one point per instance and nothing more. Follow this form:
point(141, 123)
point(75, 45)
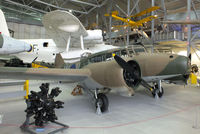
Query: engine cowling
point(110, 74)
point(130, 80)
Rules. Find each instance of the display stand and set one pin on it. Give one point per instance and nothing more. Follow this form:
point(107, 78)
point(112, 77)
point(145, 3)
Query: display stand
point(196, 124)
point(28, 127)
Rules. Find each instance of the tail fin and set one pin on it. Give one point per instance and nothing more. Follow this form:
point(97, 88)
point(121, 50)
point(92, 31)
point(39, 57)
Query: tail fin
point(59, 62)
point(3, 25)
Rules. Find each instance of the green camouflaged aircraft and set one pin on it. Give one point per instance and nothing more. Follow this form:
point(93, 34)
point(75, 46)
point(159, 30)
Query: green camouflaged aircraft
point(102, 72)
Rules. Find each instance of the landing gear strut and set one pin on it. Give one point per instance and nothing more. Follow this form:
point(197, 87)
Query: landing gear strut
point(158, 90)
point(101, 102)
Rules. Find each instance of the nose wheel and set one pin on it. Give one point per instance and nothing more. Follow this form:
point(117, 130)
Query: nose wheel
point(158, 90)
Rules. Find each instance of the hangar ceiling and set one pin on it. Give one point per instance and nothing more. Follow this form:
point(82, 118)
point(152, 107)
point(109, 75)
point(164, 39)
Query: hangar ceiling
point(31, 11)
point(36, 8)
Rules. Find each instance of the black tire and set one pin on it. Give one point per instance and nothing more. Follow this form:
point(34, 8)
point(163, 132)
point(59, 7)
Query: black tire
point(160, 94)
point(104, 103)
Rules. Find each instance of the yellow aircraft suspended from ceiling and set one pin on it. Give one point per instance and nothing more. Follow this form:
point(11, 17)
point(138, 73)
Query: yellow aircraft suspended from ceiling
point(135, 23)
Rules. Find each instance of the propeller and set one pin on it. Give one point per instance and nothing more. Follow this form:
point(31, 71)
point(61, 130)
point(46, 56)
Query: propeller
point(123, 64)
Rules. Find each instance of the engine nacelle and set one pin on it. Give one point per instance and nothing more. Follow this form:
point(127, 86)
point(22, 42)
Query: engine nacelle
point(9, 45)
point(110, 74)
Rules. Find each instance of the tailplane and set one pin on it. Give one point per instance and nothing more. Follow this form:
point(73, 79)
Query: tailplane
point(3, 25)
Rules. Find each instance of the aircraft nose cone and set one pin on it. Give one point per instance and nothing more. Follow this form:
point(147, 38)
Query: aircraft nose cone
point(177, 65)
point(182, 64)
point(185, 67)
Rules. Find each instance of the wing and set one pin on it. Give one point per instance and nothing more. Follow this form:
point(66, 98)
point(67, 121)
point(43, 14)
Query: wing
point(120, 18)
point(182, 22)
point(61, 24)
point(156, 78)
point(146, 11)
point(5, 58)
point(6, 82)
point(147, 19)
point(68, 75)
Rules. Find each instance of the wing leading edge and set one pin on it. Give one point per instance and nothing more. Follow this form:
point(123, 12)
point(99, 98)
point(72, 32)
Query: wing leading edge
point(156, 78)
point(68, 75)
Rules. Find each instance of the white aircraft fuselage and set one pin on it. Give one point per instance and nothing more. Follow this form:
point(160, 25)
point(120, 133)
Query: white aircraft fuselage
point(9, 45)
point(46, 50)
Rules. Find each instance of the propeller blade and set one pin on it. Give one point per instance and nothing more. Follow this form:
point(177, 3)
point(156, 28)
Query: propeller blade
point(123, 64)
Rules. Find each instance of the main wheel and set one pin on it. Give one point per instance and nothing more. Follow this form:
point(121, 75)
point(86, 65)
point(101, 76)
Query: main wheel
point(103, 102)
point(160, 93)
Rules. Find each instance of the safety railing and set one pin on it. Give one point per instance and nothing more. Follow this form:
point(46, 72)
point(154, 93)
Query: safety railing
point(161, 36)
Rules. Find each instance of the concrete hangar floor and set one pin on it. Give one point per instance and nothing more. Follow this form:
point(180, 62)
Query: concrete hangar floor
point(178, 112)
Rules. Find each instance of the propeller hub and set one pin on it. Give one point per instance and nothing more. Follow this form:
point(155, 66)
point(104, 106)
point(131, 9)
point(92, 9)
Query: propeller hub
point(132, 78)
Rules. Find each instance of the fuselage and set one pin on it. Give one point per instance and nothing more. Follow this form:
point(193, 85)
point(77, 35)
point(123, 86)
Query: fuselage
point(46, 50)
point(152, 66)
point(9, 45)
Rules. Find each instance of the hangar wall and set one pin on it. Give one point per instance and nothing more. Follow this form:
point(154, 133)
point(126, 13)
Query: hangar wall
point(26, 31)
